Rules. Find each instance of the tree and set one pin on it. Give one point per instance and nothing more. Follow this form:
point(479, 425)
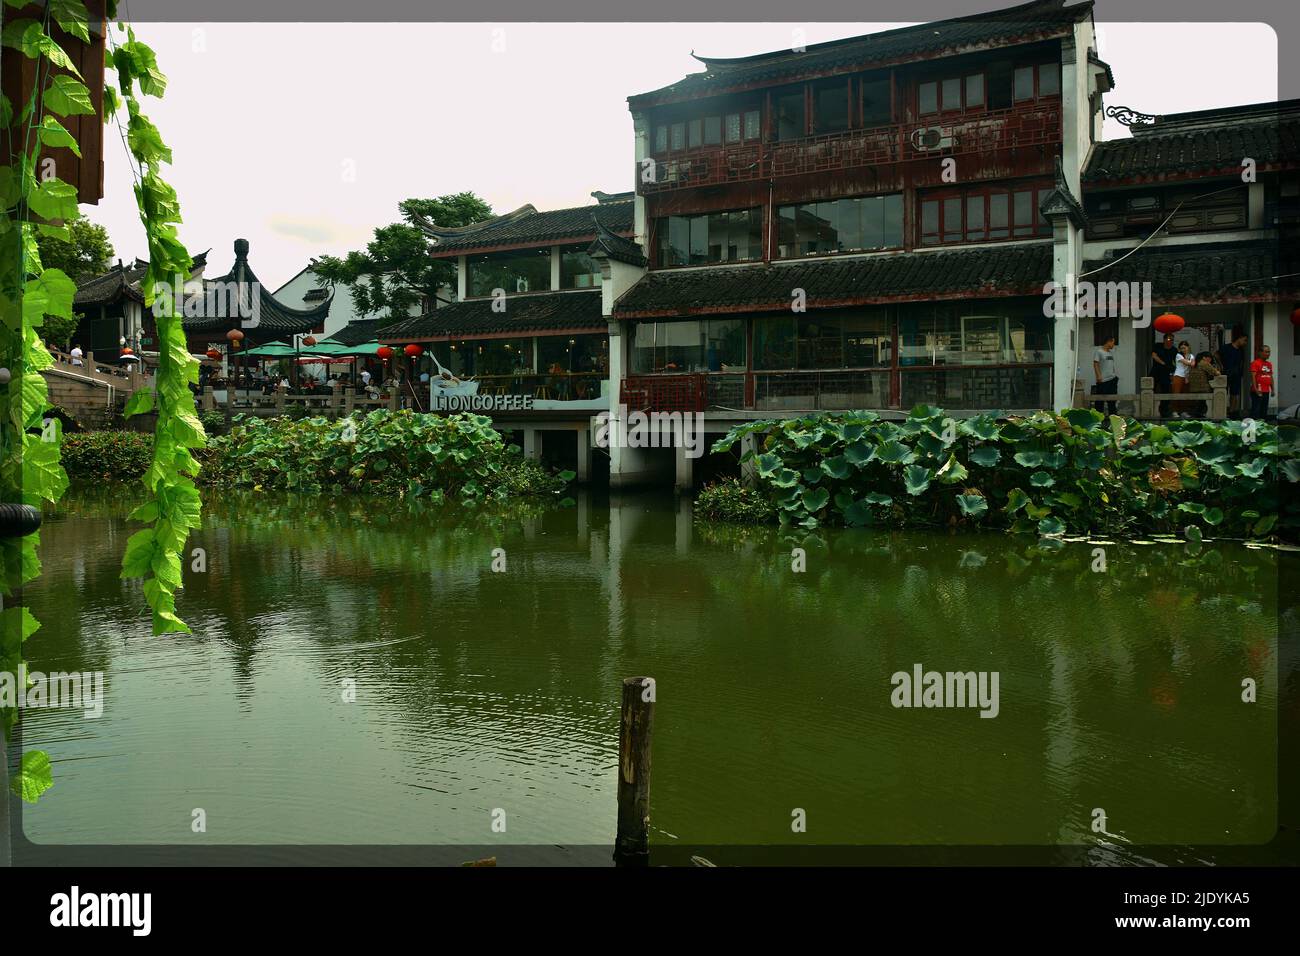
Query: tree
point(395, 270)
point(87, 255)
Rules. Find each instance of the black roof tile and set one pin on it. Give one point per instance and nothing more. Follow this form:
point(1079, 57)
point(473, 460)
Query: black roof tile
point(274, 318)
point(1206, 141)
point(616, 247)
point(538, 312)
point(1039, 19)
point(526, 226)
point(121, 281)
point(1013, 268)
point(1215, 271)
point(357, 332)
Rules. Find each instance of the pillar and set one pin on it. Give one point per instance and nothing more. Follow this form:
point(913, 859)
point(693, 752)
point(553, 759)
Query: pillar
point(684, 478)
point(532, 444)
point(584, 455)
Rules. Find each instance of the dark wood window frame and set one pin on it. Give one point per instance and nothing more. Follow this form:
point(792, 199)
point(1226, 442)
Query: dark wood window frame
point(986, 198)
point(943, 108)
point(1037, 69)
point(694, 131)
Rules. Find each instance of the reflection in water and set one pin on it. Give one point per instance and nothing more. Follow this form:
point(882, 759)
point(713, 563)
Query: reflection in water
point(478, 691)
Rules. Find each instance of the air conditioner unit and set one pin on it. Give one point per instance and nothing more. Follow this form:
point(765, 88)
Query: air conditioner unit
point(931, 137)
point(521, 284)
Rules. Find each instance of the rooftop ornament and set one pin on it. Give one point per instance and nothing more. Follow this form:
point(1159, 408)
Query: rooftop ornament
point(1130, 117)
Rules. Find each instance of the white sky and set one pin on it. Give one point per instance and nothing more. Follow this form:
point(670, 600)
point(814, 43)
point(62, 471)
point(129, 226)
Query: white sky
point(263, 119)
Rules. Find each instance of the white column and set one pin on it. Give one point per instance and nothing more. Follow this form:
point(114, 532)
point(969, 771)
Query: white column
point(532, 444)
point(684, 477)
point(584, 455)
point(1273, 339)
point(462, 278)
point(555, 267)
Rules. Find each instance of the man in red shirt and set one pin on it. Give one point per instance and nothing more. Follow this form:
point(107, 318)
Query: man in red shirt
point(1261, 383)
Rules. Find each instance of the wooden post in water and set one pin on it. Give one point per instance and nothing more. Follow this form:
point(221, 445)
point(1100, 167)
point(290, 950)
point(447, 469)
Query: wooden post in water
point(636, 726)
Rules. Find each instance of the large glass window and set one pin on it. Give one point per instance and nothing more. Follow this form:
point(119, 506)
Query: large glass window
point(573, 353)
point(840, 225)
point(731, 236)
point(876, 107)
point(951, 94)
point(823, 340)
point(703, 345)
point(831, 106)
point(577, 269)
point(979, 333)
point(978, 215)
point(527, 271)
point(790, 117)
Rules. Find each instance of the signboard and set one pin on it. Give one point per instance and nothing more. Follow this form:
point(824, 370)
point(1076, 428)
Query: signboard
point(480, 403)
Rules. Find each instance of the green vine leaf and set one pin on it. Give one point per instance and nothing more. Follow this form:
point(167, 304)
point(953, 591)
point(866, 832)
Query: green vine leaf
point(53, 199)
point(140, 402)
point(68, 97)
point(34, 777)
point(73, 17)
point(53, 134)
point(50, 293)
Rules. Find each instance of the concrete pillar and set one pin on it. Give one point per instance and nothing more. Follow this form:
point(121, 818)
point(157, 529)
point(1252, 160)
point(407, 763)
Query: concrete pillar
point(1146, 398)
point(1127, 360)
point(682, 526)
point(555, 267)
point(336, 397)
point(584, 456)
point(279, 399)
point(209, 402)
point(462, 278)
point(1273, 339)
point(684, 477)
point(748, 469)
point(532, 444)
point(1219, 398)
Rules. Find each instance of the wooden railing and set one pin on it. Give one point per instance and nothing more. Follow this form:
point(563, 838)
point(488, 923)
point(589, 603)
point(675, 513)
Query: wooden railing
point(337, 403)
point(923, 139)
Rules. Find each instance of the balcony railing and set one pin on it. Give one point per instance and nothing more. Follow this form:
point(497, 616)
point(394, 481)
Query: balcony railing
point(851, 149)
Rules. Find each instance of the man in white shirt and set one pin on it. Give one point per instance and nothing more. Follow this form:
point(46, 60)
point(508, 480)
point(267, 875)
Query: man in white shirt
point(365, 379)
point(76, 354)
point(1103, 367)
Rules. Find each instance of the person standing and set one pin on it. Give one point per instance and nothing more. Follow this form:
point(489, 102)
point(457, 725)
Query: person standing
point(1103, 367)
point(1232, 356)
point(1200, 382)
point(1261, 383)
point(76, 354)
point(1183, 363)
point(1162, 369)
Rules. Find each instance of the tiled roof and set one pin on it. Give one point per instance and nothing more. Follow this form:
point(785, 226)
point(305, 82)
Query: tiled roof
point(526, 226)
point(616, 247)
point(274, 318)
point(992, 270)
point(357, 332)
point(538, 312)
point(122, 281)
point(1039, 19)
point(1202, 142)
point(1215, 271)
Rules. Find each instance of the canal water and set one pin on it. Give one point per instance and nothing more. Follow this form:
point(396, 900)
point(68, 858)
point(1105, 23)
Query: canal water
point(359, 673)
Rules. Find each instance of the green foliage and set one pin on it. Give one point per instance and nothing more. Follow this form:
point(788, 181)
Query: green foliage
point(83, 253)
point(107, 456)
point(395, 270)
point(33, 292)
point(154, 553)
point(401, 454)
point(729, 500)
point(1047, 474)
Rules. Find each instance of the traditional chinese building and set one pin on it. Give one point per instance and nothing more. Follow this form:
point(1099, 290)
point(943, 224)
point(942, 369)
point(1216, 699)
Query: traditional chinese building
point(1203, 207)
point(529, 319)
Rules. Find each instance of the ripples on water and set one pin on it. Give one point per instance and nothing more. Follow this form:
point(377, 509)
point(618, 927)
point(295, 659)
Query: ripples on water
point(478, 692)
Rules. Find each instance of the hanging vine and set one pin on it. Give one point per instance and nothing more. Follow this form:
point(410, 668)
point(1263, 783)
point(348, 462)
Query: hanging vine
point(35, 203)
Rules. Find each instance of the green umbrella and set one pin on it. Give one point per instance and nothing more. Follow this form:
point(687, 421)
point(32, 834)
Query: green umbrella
point(366, 348)
point(270, 350)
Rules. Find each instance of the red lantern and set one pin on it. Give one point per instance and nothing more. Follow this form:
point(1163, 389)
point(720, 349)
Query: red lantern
point(309, 341)
point(413, 350)
point(214, 354)
point(126, 351)
point(234, 335)
point(1295, 315)
point(1169, 323)
point(384, 352)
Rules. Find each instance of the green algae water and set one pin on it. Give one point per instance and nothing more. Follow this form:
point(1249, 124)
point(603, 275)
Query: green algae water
point(360, 674)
